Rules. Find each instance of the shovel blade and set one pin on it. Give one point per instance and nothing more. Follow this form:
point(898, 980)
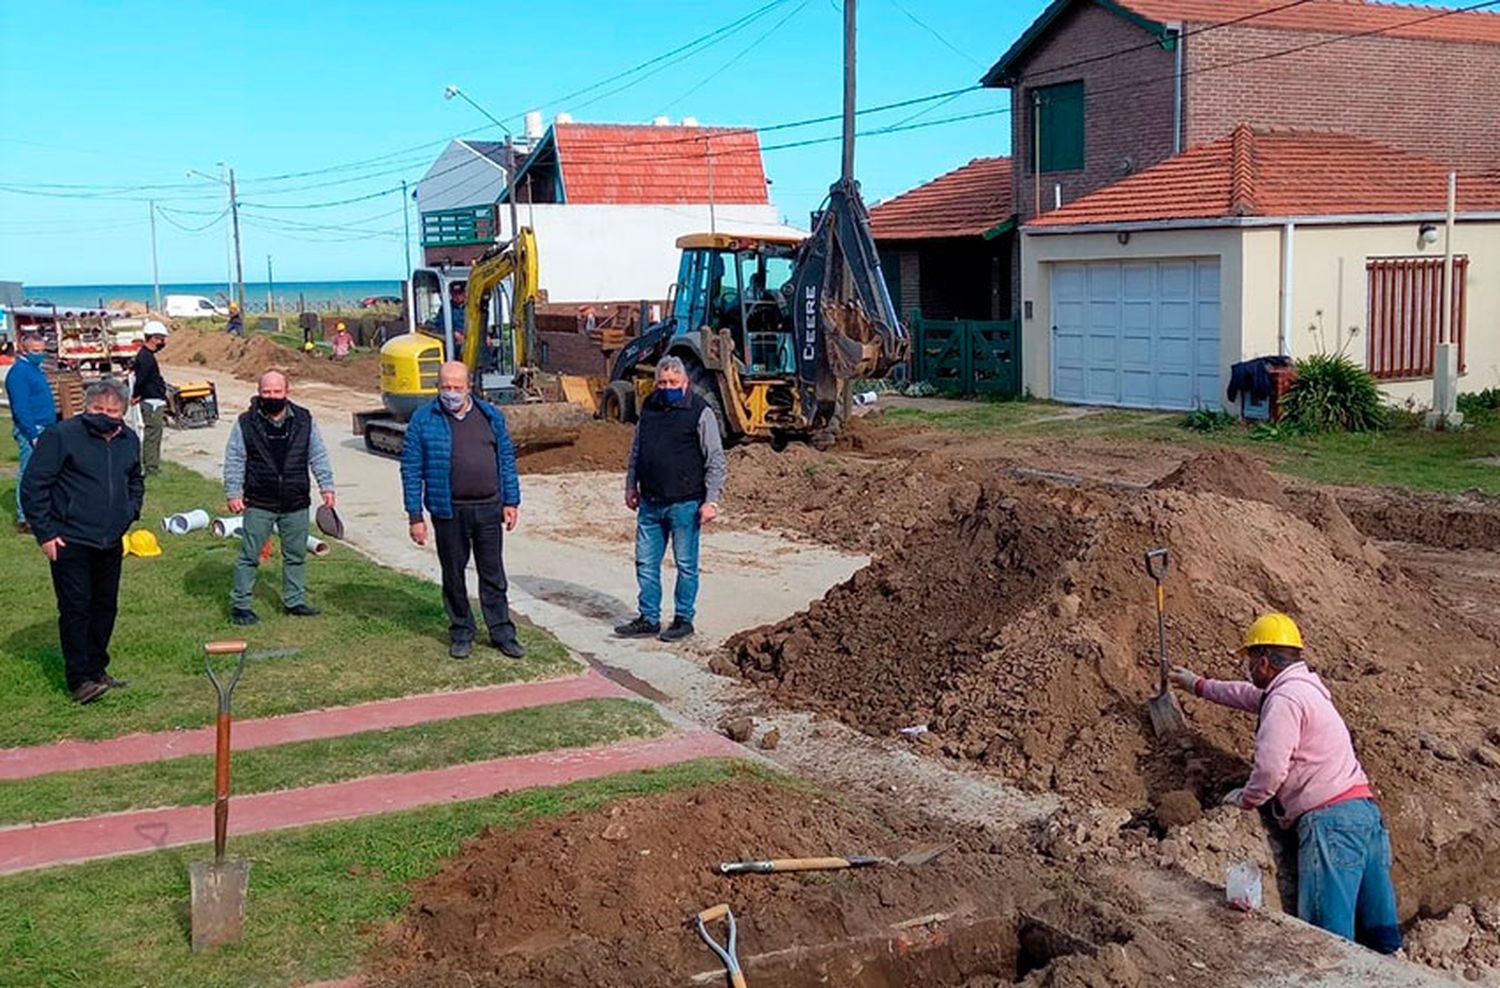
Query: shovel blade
point(1166, 715)
point(219, 889)
point(923, 855)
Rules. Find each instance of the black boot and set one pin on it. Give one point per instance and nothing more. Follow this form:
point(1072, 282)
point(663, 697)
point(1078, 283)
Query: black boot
point(638, 628)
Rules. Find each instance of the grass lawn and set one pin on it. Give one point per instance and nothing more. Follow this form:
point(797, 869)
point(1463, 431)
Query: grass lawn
point(188, 781)
point(1399, 457)
point(382, 633)
point(317, 896)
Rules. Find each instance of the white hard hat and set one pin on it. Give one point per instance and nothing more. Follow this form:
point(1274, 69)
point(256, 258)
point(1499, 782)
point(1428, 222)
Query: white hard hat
point(156, 327)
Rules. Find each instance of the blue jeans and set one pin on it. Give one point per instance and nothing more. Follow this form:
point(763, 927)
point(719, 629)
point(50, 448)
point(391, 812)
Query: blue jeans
point(654, 522)
point(25, 446)
point(1344, 874)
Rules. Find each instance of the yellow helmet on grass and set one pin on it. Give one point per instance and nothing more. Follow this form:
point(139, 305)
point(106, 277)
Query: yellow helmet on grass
point(142, 542)
point(1272, 629)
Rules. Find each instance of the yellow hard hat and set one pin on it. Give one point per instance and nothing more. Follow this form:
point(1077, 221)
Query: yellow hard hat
point(1273, 629)
point(142, 542)
point(341, 325)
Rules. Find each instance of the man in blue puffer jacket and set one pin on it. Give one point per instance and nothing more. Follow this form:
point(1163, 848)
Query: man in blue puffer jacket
point(32, 407)
point(458, 462)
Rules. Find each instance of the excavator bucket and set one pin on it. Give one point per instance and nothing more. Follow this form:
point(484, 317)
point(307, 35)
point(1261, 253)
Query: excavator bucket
point(535, 425)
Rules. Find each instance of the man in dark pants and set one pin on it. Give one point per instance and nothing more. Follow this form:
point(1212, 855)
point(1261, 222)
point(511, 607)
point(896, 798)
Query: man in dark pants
point(82, 490)
point(457, 460)
point(272, 449)
point(150, 392)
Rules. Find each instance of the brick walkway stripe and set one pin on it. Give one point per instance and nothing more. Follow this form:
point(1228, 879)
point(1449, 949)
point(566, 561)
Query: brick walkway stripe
point(310, 725)
point(26, 847)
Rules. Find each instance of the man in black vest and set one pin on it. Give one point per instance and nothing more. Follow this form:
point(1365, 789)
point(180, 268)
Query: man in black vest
point(150, 392)
point(272, 447)
point(82, 490)
point(673, 483)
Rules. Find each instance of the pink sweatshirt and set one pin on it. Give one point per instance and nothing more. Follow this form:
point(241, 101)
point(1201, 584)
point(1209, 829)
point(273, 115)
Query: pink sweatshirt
point(1303, 754)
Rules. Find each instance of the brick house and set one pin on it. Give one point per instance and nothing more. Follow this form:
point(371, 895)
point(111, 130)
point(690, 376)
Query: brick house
point(946, 246)
point(1120, 304)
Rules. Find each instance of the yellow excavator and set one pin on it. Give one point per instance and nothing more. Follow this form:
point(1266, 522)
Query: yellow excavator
point(464, 311)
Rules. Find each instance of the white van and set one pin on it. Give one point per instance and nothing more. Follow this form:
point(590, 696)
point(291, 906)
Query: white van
point(187, 306)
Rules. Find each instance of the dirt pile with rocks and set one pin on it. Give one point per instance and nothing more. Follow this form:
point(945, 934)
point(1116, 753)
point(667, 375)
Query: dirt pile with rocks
point(1016, 629)
point(600, 446)
point(248, 357)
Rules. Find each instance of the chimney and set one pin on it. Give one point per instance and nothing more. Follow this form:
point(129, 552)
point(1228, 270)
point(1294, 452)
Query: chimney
point(661, 122)
point(690, 121)
point(563, 118)
point(533, 126)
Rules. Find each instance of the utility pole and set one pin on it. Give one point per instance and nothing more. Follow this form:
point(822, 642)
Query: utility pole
point(510, 183)
point(155, 271)
point(270, 289)
point(1445, 413)
point(239, 268)
point(406, 230)
point(708, 147)
point(849, 22)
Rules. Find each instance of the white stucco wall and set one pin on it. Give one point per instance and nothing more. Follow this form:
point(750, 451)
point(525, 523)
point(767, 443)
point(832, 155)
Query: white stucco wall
point(599, 253)
point(1329, 290)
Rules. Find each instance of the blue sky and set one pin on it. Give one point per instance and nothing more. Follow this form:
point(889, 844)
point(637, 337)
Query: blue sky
point(136, 93)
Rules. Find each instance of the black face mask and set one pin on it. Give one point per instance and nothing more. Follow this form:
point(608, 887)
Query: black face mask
point(272, 406)
point(100, 424)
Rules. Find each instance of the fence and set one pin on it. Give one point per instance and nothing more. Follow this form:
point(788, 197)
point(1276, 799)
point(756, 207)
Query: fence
point(968, 356)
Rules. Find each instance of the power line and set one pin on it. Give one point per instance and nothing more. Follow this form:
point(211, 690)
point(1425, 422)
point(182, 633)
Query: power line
point(164, 212)
point(742, 53)
point(935, 33)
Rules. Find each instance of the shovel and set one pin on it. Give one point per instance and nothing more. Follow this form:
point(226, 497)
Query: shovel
point(1166, 712)
point(219, 886)
point(920, 856)
point(726, 952)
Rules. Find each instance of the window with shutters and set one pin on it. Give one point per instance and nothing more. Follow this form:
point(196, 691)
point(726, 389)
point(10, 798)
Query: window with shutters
point(1405, 310)
point(1057, 119)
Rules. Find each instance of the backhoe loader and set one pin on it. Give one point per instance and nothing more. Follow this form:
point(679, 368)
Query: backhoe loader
point(772, 330)
point(462, 313)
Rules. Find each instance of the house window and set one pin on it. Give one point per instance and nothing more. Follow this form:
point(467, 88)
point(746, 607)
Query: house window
point(1057, 119)
point(1405, 308)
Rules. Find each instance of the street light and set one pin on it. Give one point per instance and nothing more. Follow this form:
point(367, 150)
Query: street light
point(510, 154)
point(234, 211)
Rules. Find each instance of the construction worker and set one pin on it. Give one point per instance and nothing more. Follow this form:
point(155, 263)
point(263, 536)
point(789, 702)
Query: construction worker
point(32, 408)
point(150, 393)
point(1306, 768)
point(343, 341)
point(236, 324)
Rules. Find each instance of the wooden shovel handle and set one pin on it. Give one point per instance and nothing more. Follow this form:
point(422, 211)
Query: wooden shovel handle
point(224, 648)
point(790, 864)
point(713, 913)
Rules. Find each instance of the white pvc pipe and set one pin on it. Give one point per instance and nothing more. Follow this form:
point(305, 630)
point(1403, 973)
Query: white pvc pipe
point(229, 528)
point(1287, 232)
point(184, 522)
point(317, 546)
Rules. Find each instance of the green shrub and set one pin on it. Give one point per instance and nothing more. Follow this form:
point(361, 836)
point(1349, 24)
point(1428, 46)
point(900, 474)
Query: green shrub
point(1208, 420)
point(198, 357)
point(1480, 406)
point(1333, 394)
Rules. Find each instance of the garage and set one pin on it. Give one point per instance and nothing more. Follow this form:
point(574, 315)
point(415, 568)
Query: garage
point(1138, 334)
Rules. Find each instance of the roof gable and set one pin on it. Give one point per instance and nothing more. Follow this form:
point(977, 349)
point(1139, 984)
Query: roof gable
point(966, 202)
point(1280, 174)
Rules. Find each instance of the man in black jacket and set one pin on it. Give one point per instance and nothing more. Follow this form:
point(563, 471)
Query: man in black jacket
point(82, 490)
point(673, 483)
point(150, 393)
point(271, 450)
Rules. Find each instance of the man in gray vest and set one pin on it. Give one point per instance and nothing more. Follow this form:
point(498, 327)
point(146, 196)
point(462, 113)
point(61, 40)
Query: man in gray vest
point(673, 483)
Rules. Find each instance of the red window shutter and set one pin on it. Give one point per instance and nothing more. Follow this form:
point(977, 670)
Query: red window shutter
point(1405, 303)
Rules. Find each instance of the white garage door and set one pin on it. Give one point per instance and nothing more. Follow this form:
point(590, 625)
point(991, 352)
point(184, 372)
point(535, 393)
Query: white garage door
point(1140, 334)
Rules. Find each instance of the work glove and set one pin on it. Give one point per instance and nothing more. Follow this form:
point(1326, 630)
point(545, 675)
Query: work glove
point(1184, 677)
point(1235, 798)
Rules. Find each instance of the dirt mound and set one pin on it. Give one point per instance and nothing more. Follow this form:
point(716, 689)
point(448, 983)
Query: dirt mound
point(1226, 472)
point(1018, 627)
point(1447, 521)
point(600, 446)
point(247, 358)
point(608, 897)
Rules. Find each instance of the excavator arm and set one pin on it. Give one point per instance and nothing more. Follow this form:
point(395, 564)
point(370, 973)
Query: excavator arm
point(518, 260)
point(844, 322)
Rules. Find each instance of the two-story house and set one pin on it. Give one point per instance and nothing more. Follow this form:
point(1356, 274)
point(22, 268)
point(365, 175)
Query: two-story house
point(1104, 92)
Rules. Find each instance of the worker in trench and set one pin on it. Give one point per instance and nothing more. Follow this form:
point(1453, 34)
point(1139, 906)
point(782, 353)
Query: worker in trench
point(1306, 768)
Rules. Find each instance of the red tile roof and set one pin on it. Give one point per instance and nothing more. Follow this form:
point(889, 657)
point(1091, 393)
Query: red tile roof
point(1331, 16)
point(963, 203)
point(642, 164)
point(1278, 174)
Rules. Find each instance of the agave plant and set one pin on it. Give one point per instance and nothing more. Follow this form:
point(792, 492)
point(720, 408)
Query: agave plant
point(1333, 394)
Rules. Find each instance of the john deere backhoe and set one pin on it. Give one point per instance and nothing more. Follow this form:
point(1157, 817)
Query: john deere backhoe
point(773, 330)
point(463, 311)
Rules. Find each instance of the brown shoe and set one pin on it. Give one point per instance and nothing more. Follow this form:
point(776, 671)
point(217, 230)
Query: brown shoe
point(113, 683)
point(89, 691)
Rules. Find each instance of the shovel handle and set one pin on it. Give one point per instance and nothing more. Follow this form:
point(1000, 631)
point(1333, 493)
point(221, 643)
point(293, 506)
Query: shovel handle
point(777, 865)
point(1153, 557)
point(224, 690)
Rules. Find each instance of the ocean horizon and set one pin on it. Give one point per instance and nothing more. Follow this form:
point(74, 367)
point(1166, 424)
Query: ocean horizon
point(288, 294)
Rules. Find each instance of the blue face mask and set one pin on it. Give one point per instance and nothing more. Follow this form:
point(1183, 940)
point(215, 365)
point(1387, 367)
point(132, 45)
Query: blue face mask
point(37, 358)
point(673, 395)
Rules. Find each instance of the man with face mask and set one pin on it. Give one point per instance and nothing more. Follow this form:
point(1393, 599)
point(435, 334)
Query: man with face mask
point(1306, 768)
point(272, 448)
point(82, 492)
point(150, 392)
point(673, 482)
point(32, 408)
point(458, 462)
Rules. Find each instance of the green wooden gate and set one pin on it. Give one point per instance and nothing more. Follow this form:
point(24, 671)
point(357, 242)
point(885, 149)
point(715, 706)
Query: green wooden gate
point(968, 356)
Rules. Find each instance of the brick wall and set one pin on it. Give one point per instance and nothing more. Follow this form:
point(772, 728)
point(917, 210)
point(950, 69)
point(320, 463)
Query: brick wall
point(570, 353)
point(1431, 98)
point(1124, 131)
point(911, 282)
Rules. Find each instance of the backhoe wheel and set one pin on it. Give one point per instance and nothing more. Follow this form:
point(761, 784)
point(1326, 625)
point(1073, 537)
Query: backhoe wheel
point(618, 404)
point(705, 385)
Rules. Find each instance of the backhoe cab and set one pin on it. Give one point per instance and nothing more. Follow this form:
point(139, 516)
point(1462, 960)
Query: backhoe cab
point(772, 329)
